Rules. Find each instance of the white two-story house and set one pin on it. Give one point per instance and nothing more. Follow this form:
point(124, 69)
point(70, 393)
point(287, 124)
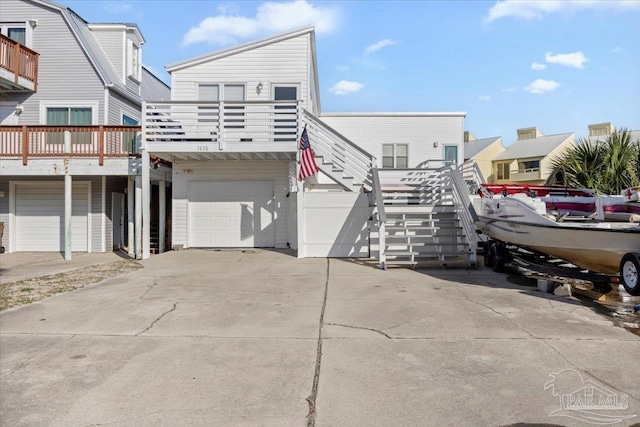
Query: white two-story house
point(232, 131)
point(70, 109)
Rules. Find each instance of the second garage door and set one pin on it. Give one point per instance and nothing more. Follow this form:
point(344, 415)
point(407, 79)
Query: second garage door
point(232, 214)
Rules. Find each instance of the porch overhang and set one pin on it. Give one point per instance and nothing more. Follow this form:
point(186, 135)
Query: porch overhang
point(173, 156)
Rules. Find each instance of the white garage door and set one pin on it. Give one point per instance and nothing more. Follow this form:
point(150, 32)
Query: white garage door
point(39, 217)
point(231, 214)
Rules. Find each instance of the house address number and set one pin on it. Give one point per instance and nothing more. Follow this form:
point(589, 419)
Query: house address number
point(203, 148)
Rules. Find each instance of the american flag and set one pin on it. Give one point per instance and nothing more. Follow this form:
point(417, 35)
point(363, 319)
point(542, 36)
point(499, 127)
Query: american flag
point(308, 164)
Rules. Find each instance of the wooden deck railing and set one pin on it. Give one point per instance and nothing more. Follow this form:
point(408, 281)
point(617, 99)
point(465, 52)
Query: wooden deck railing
point(19, 60)
point(86, 141)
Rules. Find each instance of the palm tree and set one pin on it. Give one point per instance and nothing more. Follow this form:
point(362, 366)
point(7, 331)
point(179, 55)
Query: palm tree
point(607, 166)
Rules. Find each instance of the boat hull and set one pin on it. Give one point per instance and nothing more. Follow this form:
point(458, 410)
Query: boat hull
point(598, 247)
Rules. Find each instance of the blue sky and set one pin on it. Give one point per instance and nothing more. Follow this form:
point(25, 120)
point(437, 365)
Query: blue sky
point(558, 65)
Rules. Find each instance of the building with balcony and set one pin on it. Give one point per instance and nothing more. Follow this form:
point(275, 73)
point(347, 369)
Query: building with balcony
point(528, 160)
point(70, 109)
point(232, 130)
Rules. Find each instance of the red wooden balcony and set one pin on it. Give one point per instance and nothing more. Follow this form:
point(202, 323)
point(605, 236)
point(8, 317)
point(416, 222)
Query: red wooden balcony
point(18, 66)
point(86, 141)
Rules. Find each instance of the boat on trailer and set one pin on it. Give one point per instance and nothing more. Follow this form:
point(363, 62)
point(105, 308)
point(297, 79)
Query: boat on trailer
point(523, 219)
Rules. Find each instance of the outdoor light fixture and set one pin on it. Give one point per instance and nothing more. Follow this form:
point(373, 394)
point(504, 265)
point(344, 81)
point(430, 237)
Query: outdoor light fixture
point(19, 109)
point(259, 88)
point(435, 144)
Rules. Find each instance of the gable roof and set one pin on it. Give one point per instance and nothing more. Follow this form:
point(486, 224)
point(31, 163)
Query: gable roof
point(537, 147)
point(152, 88)
point(90, 45)
point(174, 66)
point(472, 148)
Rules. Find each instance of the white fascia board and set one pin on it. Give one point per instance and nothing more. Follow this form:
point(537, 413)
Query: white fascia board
point(397, 114)
point(175, 66)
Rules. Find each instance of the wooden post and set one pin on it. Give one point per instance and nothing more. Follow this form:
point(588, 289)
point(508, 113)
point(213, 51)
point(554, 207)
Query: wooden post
point(16, 62)
point(25, 145)
point(101, 145)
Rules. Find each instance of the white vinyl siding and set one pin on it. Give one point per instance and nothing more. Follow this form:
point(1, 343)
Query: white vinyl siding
point(55, 81)
point(286, 61)
point(185, 172)
point(119, 106)
point(39, 217)
point(418, 131)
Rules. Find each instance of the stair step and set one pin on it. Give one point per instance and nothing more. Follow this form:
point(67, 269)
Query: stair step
point(400, 253)
point(421, 227)
point(423, 244)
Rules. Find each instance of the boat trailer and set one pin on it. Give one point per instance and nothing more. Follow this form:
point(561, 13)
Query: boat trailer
point(497, 255)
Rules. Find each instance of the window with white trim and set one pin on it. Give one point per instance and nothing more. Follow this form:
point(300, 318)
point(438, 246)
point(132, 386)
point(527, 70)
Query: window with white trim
point(65, 116)
point(17, 31)
point(130, 140)
point(134, 63)
point(395, 156)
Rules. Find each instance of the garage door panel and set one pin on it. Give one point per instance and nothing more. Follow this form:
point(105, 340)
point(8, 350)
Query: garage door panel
point(241, 212)
point(39, 213)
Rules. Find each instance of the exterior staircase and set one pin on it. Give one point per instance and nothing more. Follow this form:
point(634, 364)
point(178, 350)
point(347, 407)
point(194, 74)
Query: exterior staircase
point(337, 157)
point(424, 216)
point(427, 219)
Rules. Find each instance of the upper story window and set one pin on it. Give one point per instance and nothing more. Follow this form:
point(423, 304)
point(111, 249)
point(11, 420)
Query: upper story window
point(129, 121)
point(17, 31)
point(395, 156)
point(64, 116)
point(531, 165)
point(134, 61)
point(502, 171)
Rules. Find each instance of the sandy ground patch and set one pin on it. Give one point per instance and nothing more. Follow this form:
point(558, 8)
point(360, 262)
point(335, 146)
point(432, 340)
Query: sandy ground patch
point(21, 292)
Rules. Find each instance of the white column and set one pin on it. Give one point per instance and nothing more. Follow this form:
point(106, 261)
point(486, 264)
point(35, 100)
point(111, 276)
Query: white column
point(103, 216)
point(300, 218)
point(146, 206)
point(130, 214)
point(162, 214)
point(68, 201)
point(138, 213)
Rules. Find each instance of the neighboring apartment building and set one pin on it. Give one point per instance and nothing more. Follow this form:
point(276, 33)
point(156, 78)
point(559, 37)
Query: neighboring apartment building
point(528, 160)
point(70, 109)
point(232, 130)
point(478, 157)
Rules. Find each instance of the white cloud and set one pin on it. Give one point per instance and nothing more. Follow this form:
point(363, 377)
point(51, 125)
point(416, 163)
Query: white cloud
point(227, 28)
point(510, 89)
point(485, 98)
point(575, 59)
point(344, 87)
point(538, 66)
point(536, 9)
point(540, 86)
point(116, 7)
point(377, 46)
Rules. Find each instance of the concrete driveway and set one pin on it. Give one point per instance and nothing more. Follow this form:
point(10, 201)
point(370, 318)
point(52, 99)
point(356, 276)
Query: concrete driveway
point(232, 338)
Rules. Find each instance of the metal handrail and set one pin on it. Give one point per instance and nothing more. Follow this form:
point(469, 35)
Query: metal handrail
point(464, 208)
point(382, 218)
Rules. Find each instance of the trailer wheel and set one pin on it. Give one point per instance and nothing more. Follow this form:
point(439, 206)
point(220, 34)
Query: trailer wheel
point(488, 260)
point(497, 256)
point(630, 273)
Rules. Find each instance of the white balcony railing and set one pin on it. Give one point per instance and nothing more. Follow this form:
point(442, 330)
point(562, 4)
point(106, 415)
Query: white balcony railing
point(223, 125)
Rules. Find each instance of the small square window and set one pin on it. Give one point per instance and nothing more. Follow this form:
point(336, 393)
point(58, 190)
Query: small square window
point(395, 156)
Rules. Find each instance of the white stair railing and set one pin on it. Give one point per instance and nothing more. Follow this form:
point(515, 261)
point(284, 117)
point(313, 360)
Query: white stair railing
point(382, 218)
point(464, 208)
point(335, 148)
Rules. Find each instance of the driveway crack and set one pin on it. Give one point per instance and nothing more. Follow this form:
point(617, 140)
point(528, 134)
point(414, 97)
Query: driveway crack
point(311, 415)
point(158, 319)
point(360, 327)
